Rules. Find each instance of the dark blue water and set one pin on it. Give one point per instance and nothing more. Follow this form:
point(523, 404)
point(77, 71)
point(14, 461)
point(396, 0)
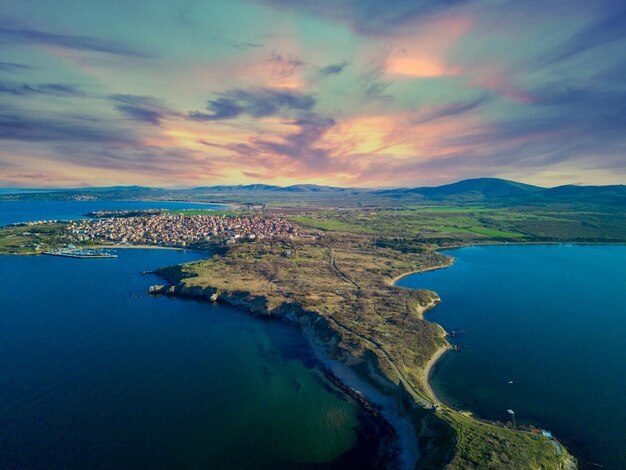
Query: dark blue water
point(96, 374)
point(12, 212)
point(553, 320)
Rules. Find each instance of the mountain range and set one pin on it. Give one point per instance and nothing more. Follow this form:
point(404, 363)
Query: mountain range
point(470, 190)
point(493, 190)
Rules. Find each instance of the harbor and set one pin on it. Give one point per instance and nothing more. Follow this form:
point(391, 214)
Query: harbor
point(81, 253)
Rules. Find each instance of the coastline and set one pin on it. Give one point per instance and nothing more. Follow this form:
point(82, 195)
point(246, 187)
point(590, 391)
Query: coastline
point(438, 354)
point(382, 405)
point(429, 368)
point(399, 436)
point(400, 431)
point(345, 378)
point(146, 247)
point(393, 281)
point(111, 247)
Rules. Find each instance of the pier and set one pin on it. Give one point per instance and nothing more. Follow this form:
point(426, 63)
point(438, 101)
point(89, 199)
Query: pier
point(80, 253)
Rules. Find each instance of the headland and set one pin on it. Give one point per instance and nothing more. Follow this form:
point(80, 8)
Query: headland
point(333, 271)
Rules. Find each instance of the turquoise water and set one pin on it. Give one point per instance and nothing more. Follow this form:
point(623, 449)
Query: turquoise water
point(96, 374)
point(552, 319)
point(12, 212)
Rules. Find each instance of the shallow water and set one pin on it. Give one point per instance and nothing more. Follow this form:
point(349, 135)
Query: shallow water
point(549, 318)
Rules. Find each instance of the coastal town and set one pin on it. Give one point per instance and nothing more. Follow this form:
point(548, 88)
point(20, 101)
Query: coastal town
point(182, 230)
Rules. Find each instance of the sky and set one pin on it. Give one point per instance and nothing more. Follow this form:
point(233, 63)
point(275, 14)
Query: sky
point(363, 93)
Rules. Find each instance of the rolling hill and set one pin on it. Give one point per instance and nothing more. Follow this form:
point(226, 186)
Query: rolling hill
point(477, 190)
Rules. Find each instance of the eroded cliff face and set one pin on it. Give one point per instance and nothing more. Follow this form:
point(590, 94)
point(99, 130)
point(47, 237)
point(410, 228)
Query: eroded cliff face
point(377, 390)
point(318, 329)
point(413, 424)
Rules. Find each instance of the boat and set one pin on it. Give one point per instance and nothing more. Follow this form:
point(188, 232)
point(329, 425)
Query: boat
point(81, 253)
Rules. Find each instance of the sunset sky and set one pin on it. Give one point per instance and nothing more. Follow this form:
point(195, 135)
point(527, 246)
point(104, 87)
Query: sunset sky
point(338, 92)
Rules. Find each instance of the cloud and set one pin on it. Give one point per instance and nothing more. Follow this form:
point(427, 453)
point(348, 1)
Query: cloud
point(11, 33)
point(429, 90)
point(142, 108)
point(298, 152)
point(252, 174)
point(333, 69)
point(372, 81)
point(608, 28)
point(369, 16)
point(572, 125)
point(165, 163)
point(302, 144)
point(74, 146)
point(257, 103)
point(50, 89)
point(13, 67)
point(33, 128)
point(288, 64)
point(450, 110)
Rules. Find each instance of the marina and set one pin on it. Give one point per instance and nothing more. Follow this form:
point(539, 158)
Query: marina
point(80, 253)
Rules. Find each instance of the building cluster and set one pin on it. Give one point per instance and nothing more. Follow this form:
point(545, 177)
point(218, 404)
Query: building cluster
point(182, 230)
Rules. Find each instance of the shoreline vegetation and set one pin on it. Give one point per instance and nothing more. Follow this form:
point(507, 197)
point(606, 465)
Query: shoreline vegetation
point(339, 285)
point(438, 354)
point(413, 399)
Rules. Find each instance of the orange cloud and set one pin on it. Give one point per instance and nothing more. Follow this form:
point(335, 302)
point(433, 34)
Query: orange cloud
point(367, 135)
point(423, 50)
point(416, 67)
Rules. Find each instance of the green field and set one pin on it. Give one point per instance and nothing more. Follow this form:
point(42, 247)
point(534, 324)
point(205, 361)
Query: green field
point(27, 239)
point(473, 225)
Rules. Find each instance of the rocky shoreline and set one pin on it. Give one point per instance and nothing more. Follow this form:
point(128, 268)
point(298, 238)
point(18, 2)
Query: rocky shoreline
point(425, 430)
point(375, 394)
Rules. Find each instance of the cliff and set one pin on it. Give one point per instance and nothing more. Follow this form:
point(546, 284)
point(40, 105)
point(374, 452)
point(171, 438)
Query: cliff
point(370, 332)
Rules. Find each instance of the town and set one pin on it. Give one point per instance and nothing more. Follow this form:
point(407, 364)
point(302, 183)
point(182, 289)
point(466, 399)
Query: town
point(182, 230)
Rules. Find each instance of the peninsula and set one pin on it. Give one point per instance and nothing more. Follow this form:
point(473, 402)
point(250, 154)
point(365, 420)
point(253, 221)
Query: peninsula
point(339, 289)
point(331, 268)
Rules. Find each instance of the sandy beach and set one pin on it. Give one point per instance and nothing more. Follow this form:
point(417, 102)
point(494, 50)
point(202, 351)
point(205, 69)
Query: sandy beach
point(394, 280)
point(442, 349)
point(428, 368)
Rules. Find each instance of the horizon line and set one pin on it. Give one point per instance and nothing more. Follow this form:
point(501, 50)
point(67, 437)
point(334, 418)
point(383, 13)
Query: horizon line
point(242, 185)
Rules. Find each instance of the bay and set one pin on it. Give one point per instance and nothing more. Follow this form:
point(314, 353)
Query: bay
point(94, 373)
point(551, 319)
point(12, 212)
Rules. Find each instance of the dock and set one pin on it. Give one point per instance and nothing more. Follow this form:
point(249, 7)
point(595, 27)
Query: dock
point(80, 253)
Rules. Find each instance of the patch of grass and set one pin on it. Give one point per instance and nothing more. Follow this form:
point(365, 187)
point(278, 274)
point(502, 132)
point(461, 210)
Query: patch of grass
point(484, 446)
point(323, 223)
point(27, 239)
point(493, 233)
point(448, 209)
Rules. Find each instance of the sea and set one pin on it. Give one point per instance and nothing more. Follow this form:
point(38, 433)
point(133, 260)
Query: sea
point(94, 373)
point(12, 212)
point(543, 332)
